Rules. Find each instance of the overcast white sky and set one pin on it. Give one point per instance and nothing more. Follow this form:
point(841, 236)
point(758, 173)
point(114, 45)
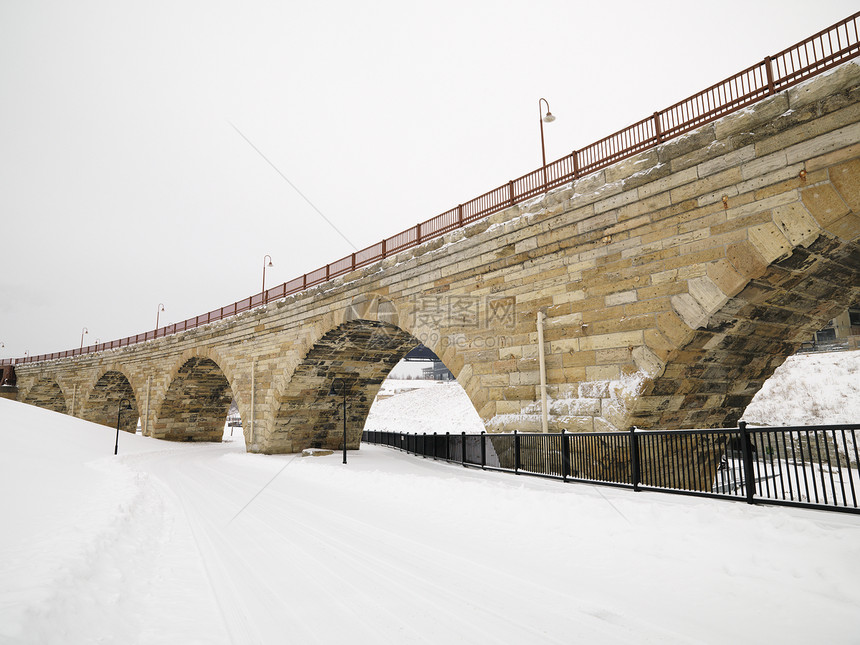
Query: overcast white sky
point(123, 183)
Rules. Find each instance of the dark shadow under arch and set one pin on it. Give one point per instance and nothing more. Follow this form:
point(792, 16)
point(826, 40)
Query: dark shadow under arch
point(361, 353)
point(196, 405)
point(104, 401)
point(47, 394)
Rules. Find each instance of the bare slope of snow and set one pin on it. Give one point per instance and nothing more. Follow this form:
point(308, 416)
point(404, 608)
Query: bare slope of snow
point(810, 389)
point(423, 406)
point(193, 543)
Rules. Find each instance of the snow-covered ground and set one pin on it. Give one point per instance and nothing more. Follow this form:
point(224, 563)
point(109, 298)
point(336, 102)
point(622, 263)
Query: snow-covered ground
point(810, 389)
point(423, 406)
point(194, 543)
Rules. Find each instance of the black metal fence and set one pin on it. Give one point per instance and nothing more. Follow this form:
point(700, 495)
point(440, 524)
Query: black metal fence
point(808, 466)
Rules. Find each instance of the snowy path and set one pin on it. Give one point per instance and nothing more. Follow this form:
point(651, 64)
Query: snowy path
point(148, 548)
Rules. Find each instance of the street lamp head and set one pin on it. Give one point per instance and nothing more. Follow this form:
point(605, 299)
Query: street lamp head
point(270, 263)
point(338, 387)
point(549, 118)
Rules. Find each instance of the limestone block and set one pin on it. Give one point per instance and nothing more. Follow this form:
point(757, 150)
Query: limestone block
point(647, 361)
point(764, 165)
point(746, 259)
point(725, 277)
point(831, 158)
point(840, 138)
point(769, 241)
point(565, 345)
point(620, 298)
point(704, 186)
point(846, 180)
point(824, 204)
point(692, 142)
point(673, 180)
point(757, 115)
point(631, 166)
point(602, 372)
point(726, 161)
point(816, 89)
point(706, 292)
point(689, 310)
point(846, 228)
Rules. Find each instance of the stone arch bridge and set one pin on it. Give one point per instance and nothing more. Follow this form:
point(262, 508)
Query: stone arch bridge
point(672, 283)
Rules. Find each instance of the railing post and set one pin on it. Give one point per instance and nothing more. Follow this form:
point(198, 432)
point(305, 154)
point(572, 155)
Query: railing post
point(511, 192)
point(424, 447)
point(483, 450)
point(658, 131)
point(418, 233)
point(383, 248)
point(434, 446)
point(353, 261)
point(565, 455)
point(460, 215)
point(516, 452)
point(769, 72)
point(746, 450)
point(447, 446)
point(634, 459)
point(575, 156)
point(463, 451)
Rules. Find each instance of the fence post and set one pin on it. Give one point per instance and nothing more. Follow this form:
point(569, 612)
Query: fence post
point(424, 447)
point(634, 459)
point(575, 164)
point(434, 446)
point(769, 71)
point(658, 131)
point(516, 452)
point(565, 455)
point(511, 192)
point(447, 446)
point(746, 449)
point(483, 450)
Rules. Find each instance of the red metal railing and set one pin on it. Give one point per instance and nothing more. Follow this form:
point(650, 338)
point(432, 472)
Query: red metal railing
point(818, 53)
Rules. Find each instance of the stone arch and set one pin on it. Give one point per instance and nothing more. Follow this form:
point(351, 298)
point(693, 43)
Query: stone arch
point(46, 393)
point(754, 307)
point(196, 400)
point(367, 340)
point(103, 397)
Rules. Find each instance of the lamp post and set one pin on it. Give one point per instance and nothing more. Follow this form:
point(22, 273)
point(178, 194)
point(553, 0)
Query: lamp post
point(338, 387)
point(124, 404)
point(265, 300)
point(158, 317)
point(549, 118)
point(83, 332)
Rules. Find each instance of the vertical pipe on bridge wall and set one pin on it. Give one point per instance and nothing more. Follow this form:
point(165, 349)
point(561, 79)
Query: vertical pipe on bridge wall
point(74, 398)
point(544, 421)
point(253, 379)
point(145, 425)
